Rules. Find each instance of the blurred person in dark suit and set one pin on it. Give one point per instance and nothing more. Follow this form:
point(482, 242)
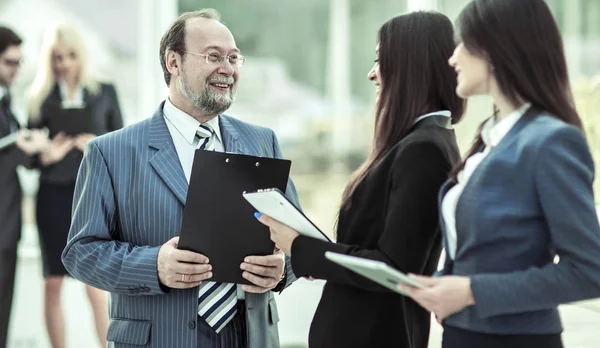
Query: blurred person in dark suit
point(62, 81)
point(27, 143)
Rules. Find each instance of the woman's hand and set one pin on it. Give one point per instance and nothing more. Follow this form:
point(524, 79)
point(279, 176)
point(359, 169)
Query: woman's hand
point(58, 149)
point(442, 296)
point(282, 235)
point(82, 139)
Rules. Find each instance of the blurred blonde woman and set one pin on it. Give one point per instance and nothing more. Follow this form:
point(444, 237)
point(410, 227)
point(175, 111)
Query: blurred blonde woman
point(62, 81)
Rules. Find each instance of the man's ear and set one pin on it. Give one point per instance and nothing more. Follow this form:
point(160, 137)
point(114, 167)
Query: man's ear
point(173, 62)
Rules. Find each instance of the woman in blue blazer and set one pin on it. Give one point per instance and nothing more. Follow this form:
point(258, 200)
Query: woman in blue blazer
point(524, 194)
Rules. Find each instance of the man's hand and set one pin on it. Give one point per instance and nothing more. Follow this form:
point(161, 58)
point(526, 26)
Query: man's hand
point(181, 269)
point(265, 272)
point(32, 141)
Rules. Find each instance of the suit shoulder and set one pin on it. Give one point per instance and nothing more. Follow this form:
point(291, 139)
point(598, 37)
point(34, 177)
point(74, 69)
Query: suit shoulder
point(106, 88)
point(417, 148)
point(429, 138)
point(546, 126)
point(106, 85)
point(126, 135)
point(244, 126)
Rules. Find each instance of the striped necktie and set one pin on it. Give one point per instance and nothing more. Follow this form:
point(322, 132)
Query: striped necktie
point(205, 134)
point(217, 302)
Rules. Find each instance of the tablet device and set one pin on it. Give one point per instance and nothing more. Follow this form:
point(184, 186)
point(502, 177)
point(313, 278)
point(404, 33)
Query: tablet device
point(377, 271)
point(273, 203)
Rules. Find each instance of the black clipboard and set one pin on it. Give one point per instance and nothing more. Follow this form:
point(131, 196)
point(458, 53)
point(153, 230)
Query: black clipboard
point(217, 220)
point(71, 121)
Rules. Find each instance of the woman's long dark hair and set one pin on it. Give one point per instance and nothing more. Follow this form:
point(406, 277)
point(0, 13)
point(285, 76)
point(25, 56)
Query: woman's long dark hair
point(415, 79)
point(522, 42)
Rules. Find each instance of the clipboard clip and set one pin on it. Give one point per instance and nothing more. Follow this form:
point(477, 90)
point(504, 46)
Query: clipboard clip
point(257, 164)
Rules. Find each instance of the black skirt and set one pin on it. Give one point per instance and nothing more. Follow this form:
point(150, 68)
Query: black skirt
point(460, 338)
point(53, 213)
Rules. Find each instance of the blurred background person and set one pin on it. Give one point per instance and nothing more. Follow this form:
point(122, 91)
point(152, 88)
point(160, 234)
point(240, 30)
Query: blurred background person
point(28, 143)
point(523, 196)
point(62, 79)
point(389, 209)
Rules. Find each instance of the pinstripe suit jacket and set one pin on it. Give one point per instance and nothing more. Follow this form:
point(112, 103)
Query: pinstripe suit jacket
point(129, 200)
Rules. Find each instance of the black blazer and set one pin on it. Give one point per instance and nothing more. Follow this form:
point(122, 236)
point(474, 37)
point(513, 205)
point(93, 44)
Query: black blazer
point(393, 218)
point(106, 117)
point(10, 188)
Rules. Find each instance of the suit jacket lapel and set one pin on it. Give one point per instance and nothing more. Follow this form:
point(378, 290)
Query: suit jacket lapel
point(231, 136)
point(165, 161)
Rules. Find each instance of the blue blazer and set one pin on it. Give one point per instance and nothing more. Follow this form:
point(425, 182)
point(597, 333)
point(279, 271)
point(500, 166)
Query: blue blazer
point(530, 199)
point(129, 200)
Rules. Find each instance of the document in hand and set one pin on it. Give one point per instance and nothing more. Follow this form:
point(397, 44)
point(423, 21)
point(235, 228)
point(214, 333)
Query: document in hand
point(8, 140)
point(275, 204)
point(71, 121)
point(217, 220)
point(377, 271)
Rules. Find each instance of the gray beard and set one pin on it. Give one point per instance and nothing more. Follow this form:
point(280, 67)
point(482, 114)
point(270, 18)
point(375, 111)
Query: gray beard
point(209, 102)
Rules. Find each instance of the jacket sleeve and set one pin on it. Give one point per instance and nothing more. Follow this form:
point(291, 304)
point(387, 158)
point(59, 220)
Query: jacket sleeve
point(564, 174)
point(11, 157)
point(92, 255)
point(292, 195)
point(410, 227)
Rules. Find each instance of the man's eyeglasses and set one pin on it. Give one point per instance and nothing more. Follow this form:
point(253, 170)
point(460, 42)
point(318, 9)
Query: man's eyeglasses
point(215, 58)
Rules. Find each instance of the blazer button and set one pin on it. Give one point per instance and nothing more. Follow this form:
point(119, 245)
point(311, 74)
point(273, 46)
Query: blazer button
point(192, 324)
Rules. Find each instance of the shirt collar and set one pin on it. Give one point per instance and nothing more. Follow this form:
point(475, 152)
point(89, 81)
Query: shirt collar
point(3, 92)
point(445, 113)
point(493, 131)
point(64, 90)
point(185, 124)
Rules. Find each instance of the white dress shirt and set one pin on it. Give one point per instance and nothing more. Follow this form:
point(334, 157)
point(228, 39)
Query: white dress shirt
point(492, 133)
point(183, 131)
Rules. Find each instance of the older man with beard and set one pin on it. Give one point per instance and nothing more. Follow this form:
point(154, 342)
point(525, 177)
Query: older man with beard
point(129, 202)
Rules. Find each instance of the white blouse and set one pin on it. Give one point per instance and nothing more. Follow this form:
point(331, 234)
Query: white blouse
point(492, 133)
point(76, 102)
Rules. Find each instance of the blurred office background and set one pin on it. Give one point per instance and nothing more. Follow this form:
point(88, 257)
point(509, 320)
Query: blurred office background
point(305, 76)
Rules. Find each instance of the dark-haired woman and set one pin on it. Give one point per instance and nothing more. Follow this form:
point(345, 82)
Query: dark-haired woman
point(389, 210)
point(524, 193)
